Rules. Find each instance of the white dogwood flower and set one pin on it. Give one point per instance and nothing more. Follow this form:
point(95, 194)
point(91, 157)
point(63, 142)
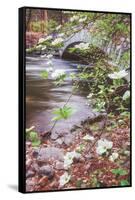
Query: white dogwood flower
point(57, 41)
point(41, 40)
point(43, 56)
point(61, 35)
point(58, 27)
point(43, 48)
point(50, 69)
point(100, 150)
point(49, 62)
point(90, 95)
point(118, 75)
point(83, 19)
point(82, 46)
point(65, 178)
point(88, 138)
point(68, 158)
point(57, 73)
point(126, 95)
point(114, 156)
point(103, 145)
point(49, 37)
point(74, 18)
point(39, 46)
point(49, 56)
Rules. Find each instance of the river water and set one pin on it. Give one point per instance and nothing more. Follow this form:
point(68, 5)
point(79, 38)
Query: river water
point(43, 96)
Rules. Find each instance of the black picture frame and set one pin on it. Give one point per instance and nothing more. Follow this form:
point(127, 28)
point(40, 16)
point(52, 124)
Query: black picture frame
point(22, 99)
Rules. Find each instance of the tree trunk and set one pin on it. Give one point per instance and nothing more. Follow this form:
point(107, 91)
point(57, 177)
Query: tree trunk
point(28, 21)
point(44, 21)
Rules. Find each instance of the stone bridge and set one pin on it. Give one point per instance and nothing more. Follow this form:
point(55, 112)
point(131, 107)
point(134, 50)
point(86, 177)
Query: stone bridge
point(84, 36)
point(81, 36)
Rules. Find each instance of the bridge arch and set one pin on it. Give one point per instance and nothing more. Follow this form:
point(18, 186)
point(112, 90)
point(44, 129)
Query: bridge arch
point(81, 36)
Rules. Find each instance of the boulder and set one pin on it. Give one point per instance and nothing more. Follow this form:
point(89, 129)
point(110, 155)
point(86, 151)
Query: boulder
point(46, 170)
point(48, 153)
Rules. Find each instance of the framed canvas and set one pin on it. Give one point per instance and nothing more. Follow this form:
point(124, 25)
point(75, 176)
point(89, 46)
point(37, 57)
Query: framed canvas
point(74, 99)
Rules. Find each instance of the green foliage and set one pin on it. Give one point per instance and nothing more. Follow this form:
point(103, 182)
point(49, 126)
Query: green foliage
point(95, 182)
point(62, 113)
point(119, 172)
point(44, 74)
point(99, 106)
point(36, 26)
point(124, 182)
point(92, 54)
point(51, 26)
point(125, 59)
point(125, 114)
point(60, 79)
point(33, 137)
point(79, 183)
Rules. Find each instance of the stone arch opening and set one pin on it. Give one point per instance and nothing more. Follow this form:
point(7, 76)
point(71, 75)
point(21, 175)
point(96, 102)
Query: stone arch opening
point(70, 56)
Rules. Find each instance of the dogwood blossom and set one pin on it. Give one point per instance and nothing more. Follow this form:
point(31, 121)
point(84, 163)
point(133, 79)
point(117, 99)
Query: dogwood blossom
point(83, 19)
point(57, 73)
point(114, 156)
point(61, 35)
point(82, 46)
point(39, 46)
point(49, 56)
point(74, 18)
point(118, 75)
point(49, 62)
point(58, 27)
point(49, 37)
point(88, 138)
point(68, 158)
point(43, 48)
point(90, 95)
point(126, 95)
point(43, 56)
point(50, 69)
point(65, 178)
point(57, 41)
point(103, 146)
point(41, 40)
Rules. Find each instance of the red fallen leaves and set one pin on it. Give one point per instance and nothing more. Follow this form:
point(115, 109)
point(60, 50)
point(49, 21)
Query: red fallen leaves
point(120, 137)
point(87, 173)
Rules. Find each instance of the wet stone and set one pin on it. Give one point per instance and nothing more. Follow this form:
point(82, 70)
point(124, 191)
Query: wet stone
point(54, 136)
point(46, 170)
point(48, 153)
point(59, 165)
point(29, 174)
point(68, 139)
point(35, 153)
point(60, 141)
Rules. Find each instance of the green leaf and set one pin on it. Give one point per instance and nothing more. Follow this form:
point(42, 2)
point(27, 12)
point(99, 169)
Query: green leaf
point(36, 143)
point(62, 113)
point(119, 171)
point(124, 182)
point(79, 183)
point(33, 136)
point(44, 74)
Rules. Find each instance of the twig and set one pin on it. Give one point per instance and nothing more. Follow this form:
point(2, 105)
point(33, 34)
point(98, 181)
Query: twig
point(62, 107)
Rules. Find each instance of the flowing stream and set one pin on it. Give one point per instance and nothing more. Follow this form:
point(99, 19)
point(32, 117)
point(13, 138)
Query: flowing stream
point(43, 96)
